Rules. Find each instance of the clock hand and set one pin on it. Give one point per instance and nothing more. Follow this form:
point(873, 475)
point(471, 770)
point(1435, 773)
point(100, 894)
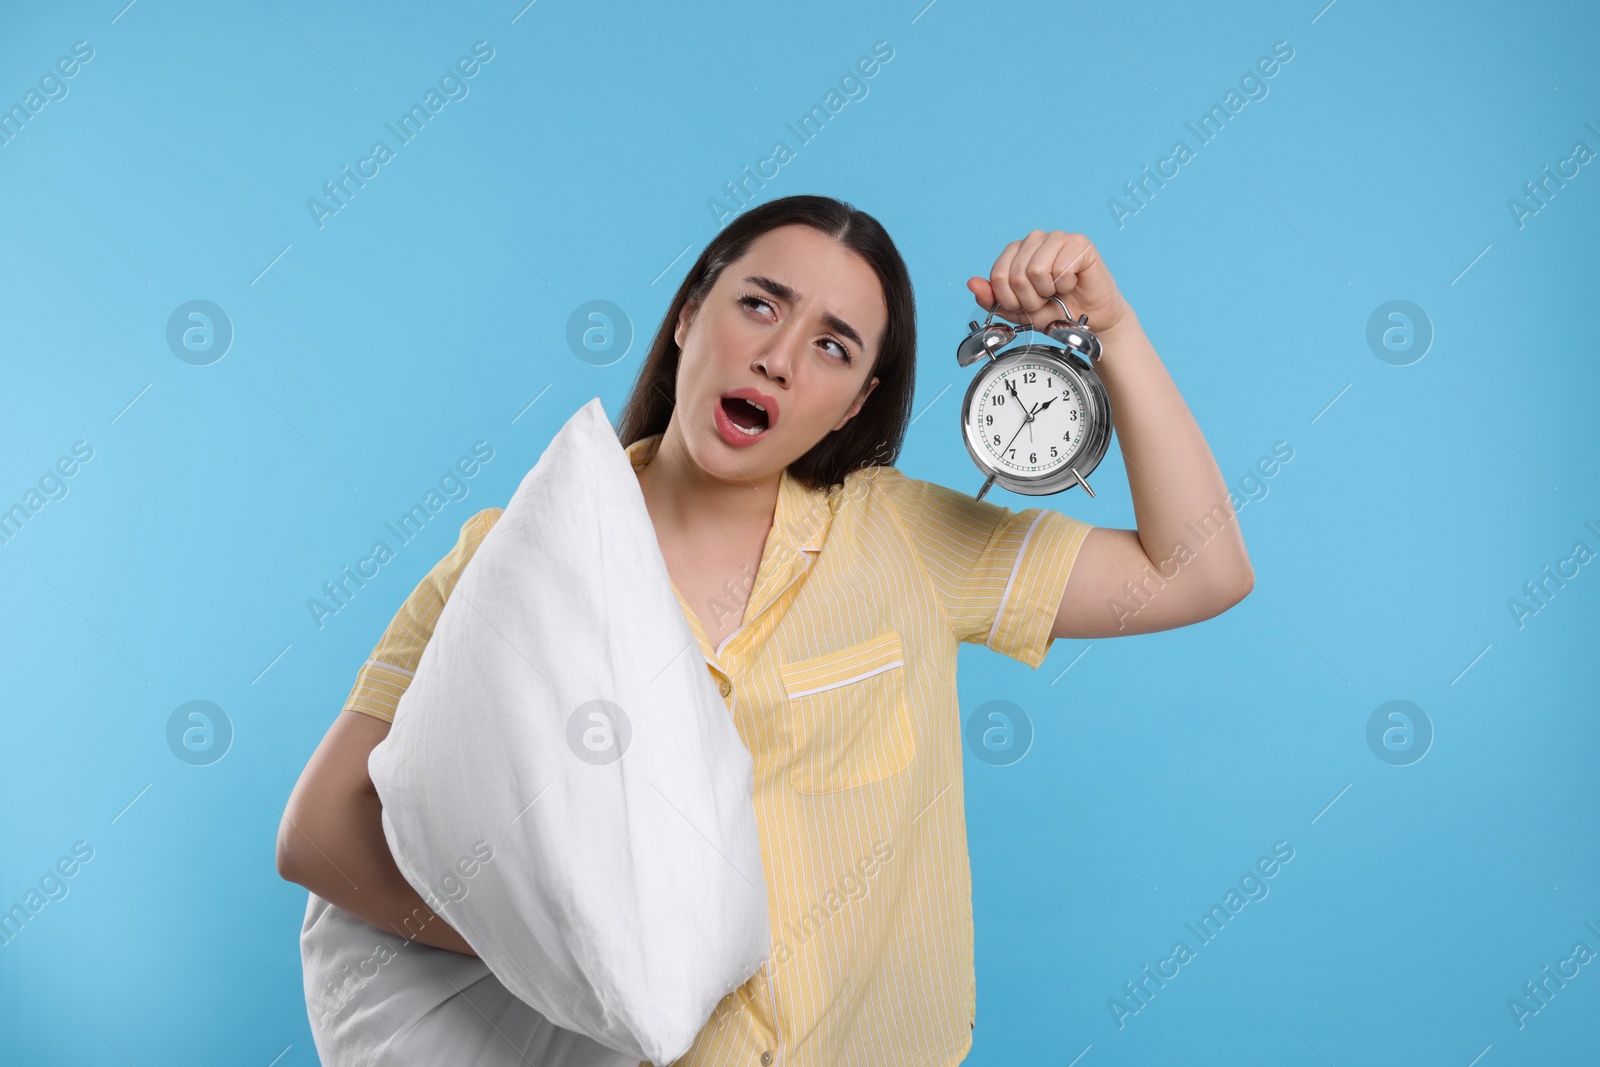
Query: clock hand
point(1027, 417)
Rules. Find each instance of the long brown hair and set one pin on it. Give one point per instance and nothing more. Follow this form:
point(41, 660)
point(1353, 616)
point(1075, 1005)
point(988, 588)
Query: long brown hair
point(874, 435)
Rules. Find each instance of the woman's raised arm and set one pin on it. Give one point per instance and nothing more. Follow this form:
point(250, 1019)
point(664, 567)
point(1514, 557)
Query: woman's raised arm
point(1186, 562)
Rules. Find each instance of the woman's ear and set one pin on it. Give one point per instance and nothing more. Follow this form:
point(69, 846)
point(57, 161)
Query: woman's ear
point(685, 318)
point(862, 399)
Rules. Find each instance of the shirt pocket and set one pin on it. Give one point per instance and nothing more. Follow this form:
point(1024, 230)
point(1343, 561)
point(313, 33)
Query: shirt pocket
point(847, 714)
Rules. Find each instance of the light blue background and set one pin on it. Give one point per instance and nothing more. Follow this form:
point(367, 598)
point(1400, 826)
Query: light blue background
point(370, 353)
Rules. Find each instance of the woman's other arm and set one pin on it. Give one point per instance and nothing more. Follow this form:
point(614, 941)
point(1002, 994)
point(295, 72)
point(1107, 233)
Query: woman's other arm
point(331, 839)
point(1186, 561)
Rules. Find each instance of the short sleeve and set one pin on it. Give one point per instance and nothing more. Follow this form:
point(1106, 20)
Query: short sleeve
point(384, 677)
point(998, 574)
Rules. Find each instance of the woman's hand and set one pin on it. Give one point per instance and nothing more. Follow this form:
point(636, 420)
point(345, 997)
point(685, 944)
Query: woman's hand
point(1043, 265)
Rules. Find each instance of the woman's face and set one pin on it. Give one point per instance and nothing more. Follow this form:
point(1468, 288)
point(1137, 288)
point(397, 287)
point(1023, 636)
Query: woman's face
point(794, 325)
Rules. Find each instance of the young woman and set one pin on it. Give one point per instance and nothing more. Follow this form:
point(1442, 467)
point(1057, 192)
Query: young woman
point(829, 594)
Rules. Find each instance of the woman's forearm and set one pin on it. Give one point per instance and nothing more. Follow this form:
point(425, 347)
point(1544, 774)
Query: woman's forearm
point(341, 855)
point(1176, 485)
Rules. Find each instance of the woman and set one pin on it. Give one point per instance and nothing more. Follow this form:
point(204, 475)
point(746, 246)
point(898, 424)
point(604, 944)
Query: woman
point(829, 594)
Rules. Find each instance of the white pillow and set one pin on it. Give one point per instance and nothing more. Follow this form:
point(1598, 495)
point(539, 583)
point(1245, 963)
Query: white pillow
point(379, 1000)
point(563, 717)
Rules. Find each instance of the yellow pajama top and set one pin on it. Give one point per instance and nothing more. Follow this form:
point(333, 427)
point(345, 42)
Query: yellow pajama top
point(841, 681)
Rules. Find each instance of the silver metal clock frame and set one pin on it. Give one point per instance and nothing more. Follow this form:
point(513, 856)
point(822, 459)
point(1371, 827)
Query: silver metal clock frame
point(1069, 366)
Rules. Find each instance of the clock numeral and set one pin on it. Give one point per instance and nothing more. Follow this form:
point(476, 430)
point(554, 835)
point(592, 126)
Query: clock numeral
point(996, 438)
point(1033, 457)
point(1072, 414)
point(999, 398)
point(1052, 451)
point(1030, 376)
point(988, 420)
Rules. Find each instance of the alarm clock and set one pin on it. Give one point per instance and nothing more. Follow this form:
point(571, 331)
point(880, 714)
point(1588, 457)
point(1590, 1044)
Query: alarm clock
point(1037, 418)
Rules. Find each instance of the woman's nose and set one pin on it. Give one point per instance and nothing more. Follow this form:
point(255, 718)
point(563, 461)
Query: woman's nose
point(778, 361)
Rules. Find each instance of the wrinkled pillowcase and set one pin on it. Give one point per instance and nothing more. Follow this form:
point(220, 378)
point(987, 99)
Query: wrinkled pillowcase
point(562, 717)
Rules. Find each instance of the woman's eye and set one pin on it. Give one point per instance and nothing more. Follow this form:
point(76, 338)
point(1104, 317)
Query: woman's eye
point(752, 301)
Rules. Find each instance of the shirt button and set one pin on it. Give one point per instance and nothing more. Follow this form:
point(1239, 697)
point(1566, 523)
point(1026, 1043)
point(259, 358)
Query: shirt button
point(766, 1059)
point(727, 687)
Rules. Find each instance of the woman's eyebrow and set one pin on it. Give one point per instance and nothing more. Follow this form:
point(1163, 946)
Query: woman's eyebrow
point(784, 292)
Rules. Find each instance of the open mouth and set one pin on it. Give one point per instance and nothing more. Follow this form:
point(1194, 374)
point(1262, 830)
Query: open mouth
point(745, 416)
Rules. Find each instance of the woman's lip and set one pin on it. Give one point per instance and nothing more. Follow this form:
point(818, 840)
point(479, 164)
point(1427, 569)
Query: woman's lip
point(730, 431)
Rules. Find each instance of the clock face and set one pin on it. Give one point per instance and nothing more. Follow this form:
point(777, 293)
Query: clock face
point(999, 417)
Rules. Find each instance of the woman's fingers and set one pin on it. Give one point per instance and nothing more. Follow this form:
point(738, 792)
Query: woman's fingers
point(1031, 272)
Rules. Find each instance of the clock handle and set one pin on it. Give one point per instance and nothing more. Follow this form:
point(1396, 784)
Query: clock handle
point(990, 482)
